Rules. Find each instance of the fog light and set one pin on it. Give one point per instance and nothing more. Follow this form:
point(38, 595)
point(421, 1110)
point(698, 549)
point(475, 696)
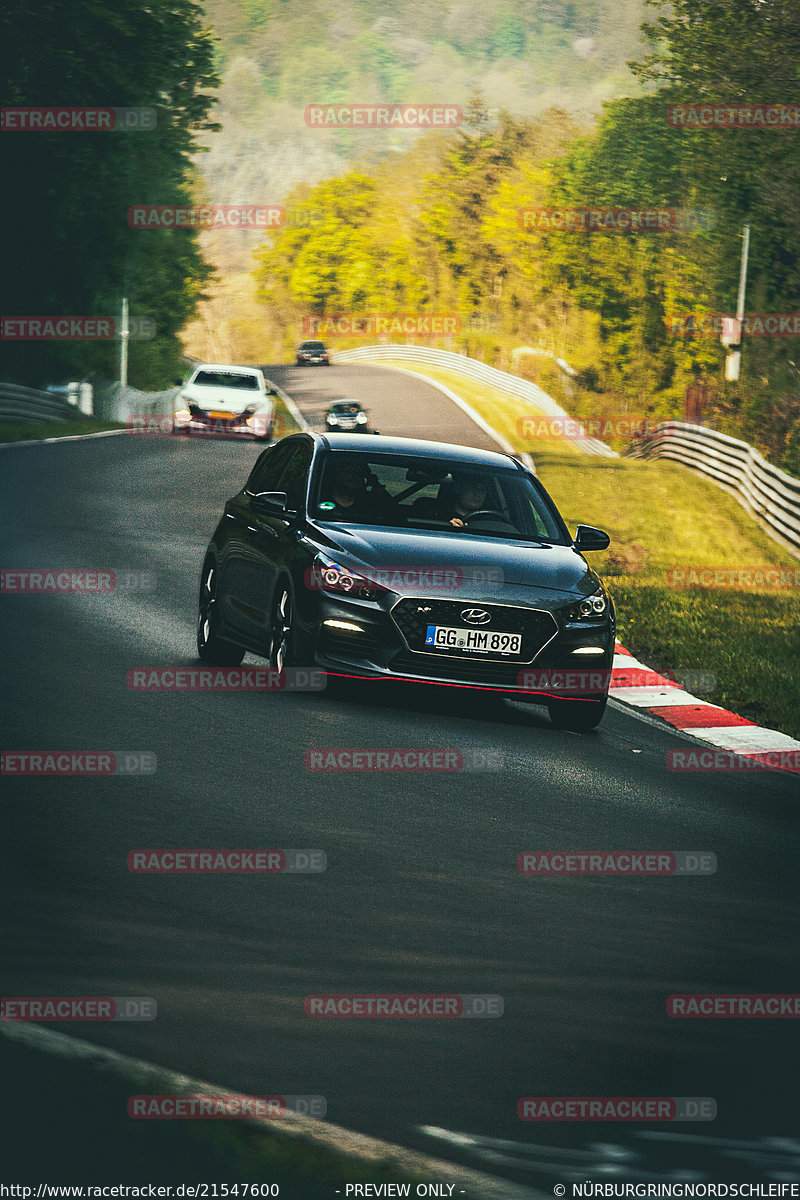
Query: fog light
point(588, 650)
point(344, 625)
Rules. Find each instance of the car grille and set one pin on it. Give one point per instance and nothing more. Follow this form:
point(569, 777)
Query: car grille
point(537, 629)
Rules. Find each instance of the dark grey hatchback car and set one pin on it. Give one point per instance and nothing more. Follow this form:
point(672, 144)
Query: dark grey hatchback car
point(409, 560)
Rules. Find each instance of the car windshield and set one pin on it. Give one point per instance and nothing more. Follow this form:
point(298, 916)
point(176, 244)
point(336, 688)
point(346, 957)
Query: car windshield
point(312, 346)
point(416, 493)
point(346, 408)
point(227, 379)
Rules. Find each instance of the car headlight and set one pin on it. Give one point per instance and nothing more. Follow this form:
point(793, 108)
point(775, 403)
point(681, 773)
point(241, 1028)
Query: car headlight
point(329, 576)
point(362, 418)
point(182, 416)
point(588, 609)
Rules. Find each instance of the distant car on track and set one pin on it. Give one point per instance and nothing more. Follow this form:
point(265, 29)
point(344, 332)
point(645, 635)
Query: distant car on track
point(223, 400)
point(413, 560)
point(311, 354)
point(346, 416)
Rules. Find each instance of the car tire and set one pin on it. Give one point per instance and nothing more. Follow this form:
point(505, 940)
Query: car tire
point(281, 642)
point(210, 647)
point(579, 716)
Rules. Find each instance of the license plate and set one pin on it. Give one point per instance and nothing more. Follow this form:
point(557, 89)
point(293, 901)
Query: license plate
point(219, 416)
point(453, 638)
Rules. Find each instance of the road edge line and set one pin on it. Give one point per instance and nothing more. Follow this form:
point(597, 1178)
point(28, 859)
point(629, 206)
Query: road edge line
point(70, 437)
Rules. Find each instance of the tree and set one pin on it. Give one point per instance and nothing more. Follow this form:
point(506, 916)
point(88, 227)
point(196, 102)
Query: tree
point(73, 252)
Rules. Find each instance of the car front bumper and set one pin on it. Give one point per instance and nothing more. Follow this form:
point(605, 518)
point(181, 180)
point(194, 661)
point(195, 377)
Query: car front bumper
point(385, 645)
point(209, 427)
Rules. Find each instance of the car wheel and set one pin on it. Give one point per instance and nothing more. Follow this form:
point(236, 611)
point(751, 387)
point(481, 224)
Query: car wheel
point(281, 636)
point(577, 715)
point(210, 646)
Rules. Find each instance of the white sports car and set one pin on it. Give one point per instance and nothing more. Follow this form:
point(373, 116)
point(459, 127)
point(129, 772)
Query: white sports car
point(225, 401)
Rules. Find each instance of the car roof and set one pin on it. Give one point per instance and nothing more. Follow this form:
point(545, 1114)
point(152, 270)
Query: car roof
point(413, 447)
point(228, 368)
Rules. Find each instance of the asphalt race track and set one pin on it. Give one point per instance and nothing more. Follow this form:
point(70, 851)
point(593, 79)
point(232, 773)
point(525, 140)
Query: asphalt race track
point(397, 403)
point(422, 892)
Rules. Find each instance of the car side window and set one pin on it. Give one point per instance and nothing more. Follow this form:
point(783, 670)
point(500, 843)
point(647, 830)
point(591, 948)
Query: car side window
point(270, 467)
point(295, 478)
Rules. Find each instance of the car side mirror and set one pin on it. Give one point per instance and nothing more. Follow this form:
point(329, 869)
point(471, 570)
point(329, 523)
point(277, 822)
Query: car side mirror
point(271, 503)
point(589, 538)
point(272, 392)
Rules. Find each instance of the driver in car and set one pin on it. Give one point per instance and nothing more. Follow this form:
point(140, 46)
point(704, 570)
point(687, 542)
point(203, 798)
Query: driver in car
point(468, 496)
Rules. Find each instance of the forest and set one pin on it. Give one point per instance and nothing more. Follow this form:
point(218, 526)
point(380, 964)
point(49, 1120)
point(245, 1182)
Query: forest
point(566, 109)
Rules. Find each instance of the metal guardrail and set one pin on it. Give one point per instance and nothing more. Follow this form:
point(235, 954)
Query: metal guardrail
point(120, 403)
point(770, 495)
point(501, 381)
point(18, 403)
point(766, 492)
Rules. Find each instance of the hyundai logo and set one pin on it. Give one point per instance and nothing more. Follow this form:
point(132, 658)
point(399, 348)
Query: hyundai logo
point(476, 616)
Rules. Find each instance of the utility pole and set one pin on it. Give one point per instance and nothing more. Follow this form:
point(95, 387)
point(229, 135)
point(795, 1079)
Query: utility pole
point(732, 329)
point(124, 334)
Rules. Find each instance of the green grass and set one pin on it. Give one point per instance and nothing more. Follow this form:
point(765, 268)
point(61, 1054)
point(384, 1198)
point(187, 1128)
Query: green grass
point(35, 431)
point(661, 516)
point(284, 421)
point(67, 1120)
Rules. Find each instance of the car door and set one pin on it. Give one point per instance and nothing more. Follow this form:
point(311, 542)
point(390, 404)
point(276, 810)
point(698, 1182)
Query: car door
point(270, 539)
point(239, 554)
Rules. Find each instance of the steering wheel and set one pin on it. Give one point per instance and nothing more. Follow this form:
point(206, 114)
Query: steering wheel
point(486, 512)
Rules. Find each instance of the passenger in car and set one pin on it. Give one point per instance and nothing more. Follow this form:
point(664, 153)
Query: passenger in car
point(352, 500)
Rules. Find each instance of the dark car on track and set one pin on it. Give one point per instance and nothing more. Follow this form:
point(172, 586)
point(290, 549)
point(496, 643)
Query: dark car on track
point(409, 560)
point(312, 353)
point(346, 416)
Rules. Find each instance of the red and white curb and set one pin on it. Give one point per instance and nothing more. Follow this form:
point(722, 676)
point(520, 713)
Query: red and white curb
point(634, 683)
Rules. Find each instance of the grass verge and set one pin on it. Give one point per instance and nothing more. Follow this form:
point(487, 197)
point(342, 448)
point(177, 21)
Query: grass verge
point(65, 1116)
point(37, 431)
point(661, 517)
point(284, 421)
